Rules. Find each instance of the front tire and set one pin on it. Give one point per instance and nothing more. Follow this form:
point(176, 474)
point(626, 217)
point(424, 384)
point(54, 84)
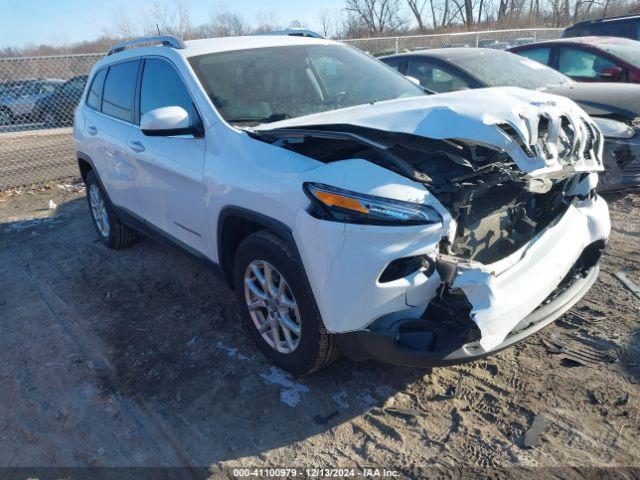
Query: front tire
point(111, 231)
point(278, 306)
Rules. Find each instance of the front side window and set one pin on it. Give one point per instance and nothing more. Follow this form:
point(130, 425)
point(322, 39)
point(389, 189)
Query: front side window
point(94, 96)
point(581, 63)
point(119, 90)
point(162, 86)
point(540, 55)
point(268, 84)
point(436, 78)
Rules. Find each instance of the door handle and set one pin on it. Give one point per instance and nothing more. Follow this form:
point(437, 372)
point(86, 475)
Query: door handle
point(92, 130)
point(136, 147)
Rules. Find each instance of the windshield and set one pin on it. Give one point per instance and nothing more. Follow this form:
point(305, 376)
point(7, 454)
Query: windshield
point(269, 84)
point(628, 53)
point(504, 69)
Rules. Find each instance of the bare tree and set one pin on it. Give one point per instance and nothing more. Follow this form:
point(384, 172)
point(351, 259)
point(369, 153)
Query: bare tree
point(267, 22)
point(325, 18)
point(378, 15)
point(417, 9)
point(224, 23)
point(169, 16)
point(123, 25)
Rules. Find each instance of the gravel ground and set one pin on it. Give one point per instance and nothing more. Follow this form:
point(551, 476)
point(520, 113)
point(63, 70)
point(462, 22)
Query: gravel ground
point(34, 156)
point(138, 358)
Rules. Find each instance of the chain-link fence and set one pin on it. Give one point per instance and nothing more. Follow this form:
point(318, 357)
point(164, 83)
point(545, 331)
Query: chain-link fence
point(38, 96)
point(499, 39)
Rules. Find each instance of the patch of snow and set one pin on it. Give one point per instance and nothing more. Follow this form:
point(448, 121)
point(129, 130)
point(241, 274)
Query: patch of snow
point(291, 390)
point(232, 352)
point(19, 226)
point(340, 398)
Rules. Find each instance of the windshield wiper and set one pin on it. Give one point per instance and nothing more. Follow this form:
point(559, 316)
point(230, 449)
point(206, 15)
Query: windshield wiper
point(274, 117)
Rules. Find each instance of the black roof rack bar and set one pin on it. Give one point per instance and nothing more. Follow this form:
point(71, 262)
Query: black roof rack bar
point(628, 16)
point(165, 40)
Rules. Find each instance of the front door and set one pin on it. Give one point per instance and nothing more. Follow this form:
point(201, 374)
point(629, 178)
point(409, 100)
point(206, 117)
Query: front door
point(172, 167)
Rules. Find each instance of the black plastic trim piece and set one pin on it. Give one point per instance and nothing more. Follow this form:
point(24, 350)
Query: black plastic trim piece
point(137, 223)
point(275, 226)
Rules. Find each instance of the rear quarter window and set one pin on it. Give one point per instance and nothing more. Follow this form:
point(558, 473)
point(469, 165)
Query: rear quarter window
point(94, 96)
point(540, 55)
point(120, 90)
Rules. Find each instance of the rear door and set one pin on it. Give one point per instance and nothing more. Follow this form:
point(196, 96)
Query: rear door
point(172, 167)
point(107, 126)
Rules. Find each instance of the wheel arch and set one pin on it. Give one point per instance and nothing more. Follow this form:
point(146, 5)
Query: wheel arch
point(237, 223)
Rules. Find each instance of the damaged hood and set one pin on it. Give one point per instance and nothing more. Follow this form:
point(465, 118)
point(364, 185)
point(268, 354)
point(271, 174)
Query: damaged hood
point(542, 133)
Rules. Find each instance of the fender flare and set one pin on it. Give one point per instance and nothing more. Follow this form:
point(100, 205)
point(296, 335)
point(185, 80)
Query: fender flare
point(268, 223)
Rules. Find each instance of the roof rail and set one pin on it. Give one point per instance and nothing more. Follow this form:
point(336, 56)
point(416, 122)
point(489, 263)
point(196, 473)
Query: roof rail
point(292, 32)
point(165, 40)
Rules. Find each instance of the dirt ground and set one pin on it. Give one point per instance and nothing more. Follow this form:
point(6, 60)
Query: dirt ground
point(137, 358)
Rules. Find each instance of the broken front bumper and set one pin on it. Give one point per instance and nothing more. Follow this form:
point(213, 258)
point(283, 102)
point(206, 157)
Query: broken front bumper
point(427, 343)
point(502, 303)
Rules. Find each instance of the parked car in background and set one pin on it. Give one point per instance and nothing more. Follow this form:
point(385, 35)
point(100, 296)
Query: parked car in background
point(56, 109)
point(343, 204)
point(627, 26)
point(18, 101)
point(588, 59)
point(615, 107)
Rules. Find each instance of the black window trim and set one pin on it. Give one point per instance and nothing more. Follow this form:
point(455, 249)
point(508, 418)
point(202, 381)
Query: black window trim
point(107, 68)
point(177, 70)
point(93, 79)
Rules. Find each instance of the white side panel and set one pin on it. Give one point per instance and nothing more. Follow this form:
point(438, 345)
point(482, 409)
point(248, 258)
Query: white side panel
point(171, 186)
point(109, 151)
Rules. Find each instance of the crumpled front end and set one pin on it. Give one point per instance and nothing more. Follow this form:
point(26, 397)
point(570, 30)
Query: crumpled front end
point(516, 190)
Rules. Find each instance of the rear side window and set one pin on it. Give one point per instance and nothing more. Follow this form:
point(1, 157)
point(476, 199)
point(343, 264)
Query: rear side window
point(94, 97)
point(119, 90)
point(540, 55)
point(162, 86)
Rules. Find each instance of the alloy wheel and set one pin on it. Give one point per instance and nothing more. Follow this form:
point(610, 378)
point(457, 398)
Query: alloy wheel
point(272, 306)
point(99, 210)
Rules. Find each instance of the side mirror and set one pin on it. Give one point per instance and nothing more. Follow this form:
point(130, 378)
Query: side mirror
point(611, 74)
point(167, 122)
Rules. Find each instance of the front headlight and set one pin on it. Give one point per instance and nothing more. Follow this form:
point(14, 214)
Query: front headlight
point(340, 205)
point(614, 129)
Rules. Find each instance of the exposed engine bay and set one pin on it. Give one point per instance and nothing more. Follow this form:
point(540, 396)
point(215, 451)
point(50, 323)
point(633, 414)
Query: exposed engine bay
point(497, 207)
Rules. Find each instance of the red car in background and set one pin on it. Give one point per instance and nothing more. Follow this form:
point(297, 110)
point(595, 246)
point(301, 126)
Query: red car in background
point(588, 59)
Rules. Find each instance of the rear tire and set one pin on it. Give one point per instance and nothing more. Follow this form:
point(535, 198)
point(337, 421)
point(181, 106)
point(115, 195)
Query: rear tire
point(313, 347)
point(111, 231)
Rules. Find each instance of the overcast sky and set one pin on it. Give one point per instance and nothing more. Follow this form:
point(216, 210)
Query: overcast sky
point(67, 21)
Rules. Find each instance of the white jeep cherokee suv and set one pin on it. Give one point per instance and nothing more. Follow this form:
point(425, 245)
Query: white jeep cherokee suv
point(342, 203)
